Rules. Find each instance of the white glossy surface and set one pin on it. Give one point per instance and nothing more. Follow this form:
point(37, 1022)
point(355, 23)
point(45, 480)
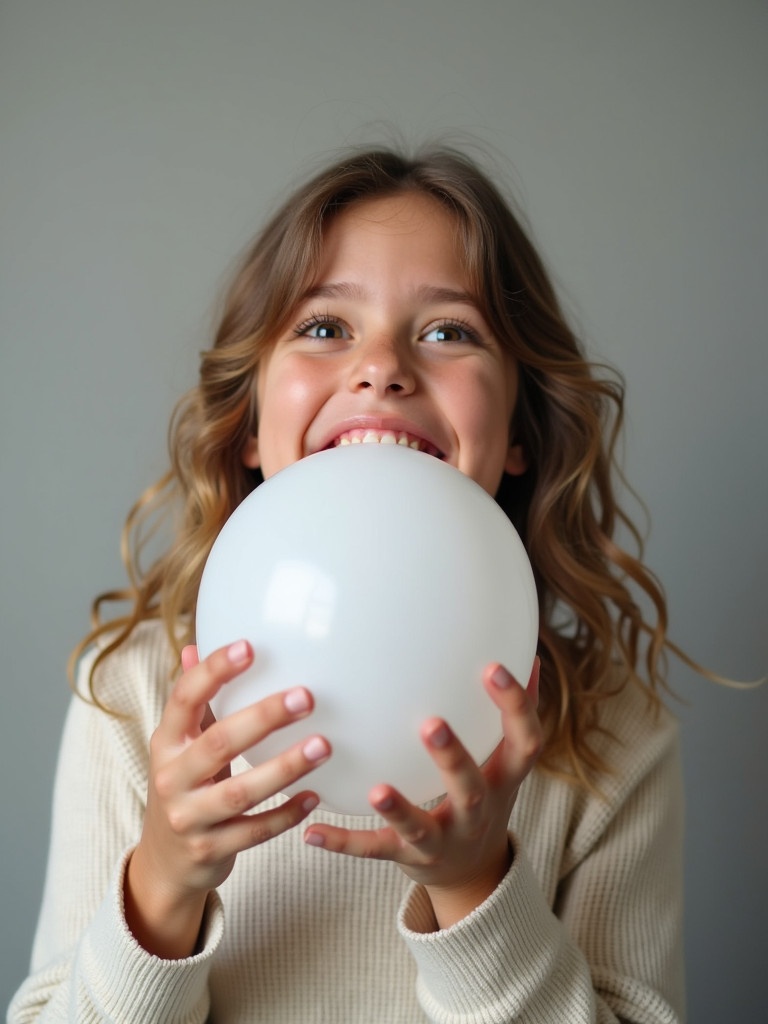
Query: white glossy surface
point(384, 581)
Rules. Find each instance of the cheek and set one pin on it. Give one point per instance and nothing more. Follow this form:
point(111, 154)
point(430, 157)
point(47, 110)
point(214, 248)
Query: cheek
point(288, 398)
point(483, 417)
point(283, 396)
point(484, 409)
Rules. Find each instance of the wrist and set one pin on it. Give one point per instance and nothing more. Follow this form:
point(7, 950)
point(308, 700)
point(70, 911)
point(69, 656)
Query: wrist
point(452, 903)
point(165, 923)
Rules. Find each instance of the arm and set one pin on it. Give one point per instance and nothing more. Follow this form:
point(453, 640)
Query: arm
point(197, 816)
point(136, 942)
point(587, 924)
point(460, 850)
point(86, 965)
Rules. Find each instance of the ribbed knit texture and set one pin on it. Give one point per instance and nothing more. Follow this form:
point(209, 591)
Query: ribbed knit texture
point(585, 927)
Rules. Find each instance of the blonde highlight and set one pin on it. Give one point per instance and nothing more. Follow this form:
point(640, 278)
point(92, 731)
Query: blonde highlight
point(568, 419)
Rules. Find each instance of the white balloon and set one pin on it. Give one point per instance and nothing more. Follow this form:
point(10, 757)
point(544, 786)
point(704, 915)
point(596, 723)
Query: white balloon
point(384, 581)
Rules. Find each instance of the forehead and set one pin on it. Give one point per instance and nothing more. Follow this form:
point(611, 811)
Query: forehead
point(402, 213)
point(409, 229)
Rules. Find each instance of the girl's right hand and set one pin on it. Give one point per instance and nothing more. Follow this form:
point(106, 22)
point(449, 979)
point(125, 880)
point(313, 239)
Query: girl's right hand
point(196, 823)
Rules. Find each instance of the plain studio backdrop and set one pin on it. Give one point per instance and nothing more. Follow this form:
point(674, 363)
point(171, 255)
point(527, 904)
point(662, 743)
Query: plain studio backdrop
point(143, 142)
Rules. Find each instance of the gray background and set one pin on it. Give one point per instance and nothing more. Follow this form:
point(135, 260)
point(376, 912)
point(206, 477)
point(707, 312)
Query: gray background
point(141, 143)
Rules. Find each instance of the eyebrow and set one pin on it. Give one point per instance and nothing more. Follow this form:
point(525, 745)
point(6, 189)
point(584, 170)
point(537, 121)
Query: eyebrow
point(350, 290)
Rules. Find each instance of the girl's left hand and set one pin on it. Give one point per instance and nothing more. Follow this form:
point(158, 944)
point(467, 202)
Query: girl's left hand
point(459, 851)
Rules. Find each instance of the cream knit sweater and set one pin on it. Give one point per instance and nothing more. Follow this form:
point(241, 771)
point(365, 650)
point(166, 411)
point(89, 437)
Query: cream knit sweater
point(585, 927)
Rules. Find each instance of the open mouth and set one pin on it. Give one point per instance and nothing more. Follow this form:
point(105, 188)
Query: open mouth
point(399, 437)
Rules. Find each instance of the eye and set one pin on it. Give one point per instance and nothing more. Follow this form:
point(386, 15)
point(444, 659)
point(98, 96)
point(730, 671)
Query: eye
point(324, 328)
point(452, 331)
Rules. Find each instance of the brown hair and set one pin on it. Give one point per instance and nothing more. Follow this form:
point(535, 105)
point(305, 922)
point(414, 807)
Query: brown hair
point(568, 417)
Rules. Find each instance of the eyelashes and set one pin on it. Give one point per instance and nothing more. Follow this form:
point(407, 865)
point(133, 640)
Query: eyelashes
point(448, 325)
point(320, 321)
point(332, 328)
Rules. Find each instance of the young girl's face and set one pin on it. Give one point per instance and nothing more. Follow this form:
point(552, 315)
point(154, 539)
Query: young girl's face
point(388, 346)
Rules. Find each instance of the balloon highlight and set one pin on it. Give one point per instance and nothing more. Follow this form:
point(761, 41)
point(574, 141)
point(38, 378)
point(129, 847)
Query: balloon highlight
point(383, 580)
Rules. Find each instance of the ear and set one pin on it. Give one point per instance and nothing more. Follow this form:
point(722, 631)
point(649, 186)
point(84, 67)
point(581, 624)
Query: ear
point(250, 453)
point(516, 463)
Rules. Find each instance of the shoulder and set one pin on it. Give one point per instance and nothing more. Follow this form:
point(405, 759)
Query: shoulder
point(641, 787)
point(637, 738)
point(134, 681)
point(108, 743)
point(635, 733)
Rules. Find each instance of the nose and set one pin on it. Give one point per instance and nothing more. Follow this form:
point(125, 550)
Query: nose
point(384, 367)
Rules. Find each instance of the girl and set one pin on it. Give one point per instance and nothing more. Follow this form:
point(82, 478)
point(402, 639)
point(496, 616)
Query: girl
point(390, 298)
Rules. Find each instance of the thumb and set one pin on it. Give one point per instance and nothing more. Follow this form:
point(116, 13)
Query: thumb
point(189, 657)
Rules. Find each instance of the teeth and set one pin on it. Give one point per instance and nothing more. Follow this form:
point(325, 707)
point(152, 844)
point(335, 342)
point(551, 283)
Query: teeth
point(373, 437)
point(380, 437)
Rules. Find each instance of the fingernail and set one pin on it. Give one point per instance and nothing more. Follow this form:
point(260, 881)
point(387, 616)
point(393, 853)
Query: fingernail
point(500, 678)
point(188, 656)
point(314, 839)
point(297, 700)
point(309, 803)
point(440, 737)
point(315, 749)
point(238, 652)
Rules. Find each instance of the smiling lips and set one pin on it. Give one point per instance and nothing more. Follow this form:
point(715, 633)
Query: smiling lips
point(368, 436)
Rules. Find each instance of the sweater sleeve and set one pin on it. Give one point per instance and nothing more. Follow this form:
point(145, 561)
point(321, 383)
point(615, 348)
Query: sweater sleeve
point(603, 942)
point(86, 966)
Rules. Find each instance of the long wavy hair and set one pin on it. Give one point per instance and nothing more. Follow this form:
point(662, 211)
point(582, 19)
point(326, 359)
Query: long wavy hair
point(568, 418)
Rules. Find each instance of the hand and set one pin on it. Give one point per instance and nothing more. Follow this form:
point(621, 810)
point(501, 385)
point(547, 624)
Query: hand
point(195, 822)
point(459, 850)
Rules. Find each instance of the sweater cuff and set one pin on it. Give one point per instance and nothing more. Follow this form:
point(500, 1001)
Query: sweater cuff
point(489, 965)
point(128, 983)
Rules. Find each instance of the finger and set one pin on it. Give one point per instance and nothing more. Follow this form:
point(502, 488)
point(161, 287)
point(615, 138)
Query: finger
point(413, 826)
point(189, 657)
point(226, 739)
point(249, 830)
point(409, 837)
point(499, 681)
point(465, 784)
point(240, 793)
point(520, 721)
point(206, 722)
point(373, 844)
point(198, 685)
